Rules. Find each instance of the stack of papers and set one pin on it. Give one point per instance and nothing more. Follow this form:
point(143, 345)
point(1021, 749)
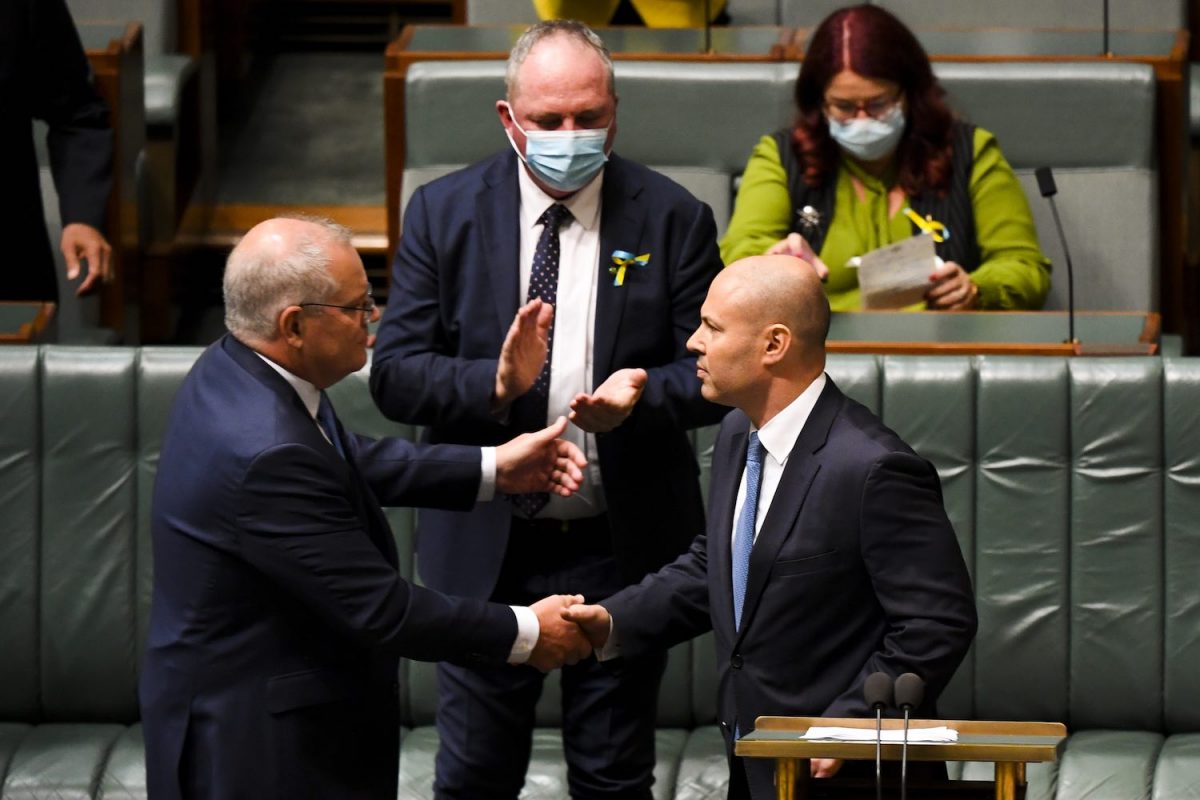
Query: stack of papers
point(915, 735)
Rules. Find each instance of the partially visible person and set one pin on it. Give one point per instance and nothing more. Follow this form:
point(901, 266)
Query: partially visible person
point(828, 554)
point(279, 615)
point(44, 74)
point(651, 13)
point(554, 277)
point(876, 156)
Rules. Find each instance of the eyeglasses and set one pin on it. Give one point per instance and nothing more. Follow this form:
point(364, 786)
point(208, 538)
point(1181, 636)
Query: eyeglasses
point(878, 108)
point(367, 308)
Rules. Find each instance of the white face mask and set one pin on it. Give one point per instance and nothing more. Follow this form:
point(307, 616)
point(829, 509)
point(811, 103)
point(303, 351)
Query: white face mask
point(867, 138)
point(563, 160)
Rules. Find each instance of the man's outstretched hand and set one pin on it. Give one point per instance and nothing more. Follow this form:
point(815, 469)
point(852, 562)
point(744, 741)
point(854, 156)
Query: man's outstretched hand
point(559, 640)
point(594, 621)
point(613, 401)
point(540, 462)
point(523, 353)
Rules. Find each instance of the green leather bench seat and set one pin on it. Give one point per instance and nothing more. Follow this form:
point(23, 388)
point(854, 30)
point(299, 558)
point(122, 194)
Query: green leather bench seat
point(1074, 487)
point(697, 123)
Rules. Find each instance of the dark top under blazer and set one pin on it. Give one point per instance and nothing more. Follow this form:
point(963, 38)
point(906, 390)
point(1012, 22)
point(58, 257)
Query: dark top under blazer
point(455, 282)
point(278, 615)
point(856, 570)
point(44, 75)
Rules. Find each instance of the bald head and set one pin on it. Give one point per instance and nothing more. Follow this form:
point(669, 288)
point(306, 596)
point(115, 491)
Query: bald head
point(761, 339)
point(280, 262)
point(784, 290)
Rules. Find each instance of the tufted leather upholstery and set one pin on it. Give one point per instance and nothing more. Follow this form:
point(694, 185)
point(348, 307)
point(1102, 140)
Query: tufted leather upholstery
point(1074, 486)
point(697, 123)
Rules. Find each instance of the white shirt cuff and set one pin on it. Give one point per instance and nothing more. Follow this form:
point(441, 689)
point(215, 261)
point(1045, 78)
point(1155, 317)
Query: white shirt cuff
point(612, 647)
point(487, 470)
point(528, 630)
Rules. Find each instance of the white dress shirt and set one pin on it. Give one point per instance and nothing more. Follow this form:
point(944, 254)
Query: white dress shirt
point(528, 628)
point(778, 437)
point(574, 322)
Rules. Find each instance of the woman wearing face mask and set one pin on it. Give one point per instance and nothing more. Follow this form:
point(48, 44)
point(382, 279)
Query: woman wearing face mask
point(876, 156)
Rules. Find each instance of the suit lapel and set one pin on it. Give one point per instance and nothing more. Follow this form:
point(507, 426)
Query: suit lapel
point(360, 494)
point(802, 467)
point(496, 208)
point(727, 469)
point(621, 219)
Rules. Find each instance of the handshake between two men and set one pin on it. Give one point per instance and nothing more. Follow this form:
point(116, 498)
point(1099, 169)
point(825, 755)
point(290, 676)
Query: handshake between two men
point(569, 631)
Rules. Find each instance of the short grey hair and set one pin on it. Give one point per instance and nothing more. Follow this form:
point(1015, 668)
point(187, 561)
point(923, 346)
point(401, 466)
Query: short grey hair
point(260, 284)
point(555, 27)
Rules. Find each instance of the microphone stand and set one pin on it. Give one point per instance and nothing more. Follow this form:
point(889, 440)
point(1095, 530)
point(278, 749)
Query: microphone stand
point(1070, 275)
point(879, 752)
point(1106, 52)
point(878, 692)
point(909, 693)
point(1047, 188)
point(708, 25)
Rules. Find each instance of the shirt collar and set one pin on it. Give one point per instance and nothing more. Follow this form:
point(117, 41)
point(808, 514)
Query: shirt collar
point(779, 435)
point(584, 204)
point(309, 394)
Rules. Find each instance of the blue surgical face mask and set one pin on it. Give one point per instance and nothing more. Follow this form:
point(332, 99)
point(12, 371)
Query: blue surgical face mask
point(867, 138)
point(563, 160)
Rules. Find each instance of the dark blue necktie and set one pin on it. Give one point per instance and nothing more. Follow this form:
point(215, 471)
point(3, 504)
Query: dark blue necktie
point(743, 538)
point(328, 422)
point(543, 285)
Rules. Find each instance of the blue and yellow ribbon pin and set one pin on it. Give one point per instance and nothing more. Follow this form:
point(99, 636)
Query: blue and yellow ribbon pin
point(623, 260)
point(928, 224)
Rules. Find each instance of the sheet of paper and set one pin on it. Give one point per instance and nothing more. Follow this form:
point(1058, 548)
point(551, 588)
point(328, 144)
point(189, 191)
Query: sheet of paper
point(897, 275)
point(915, 735)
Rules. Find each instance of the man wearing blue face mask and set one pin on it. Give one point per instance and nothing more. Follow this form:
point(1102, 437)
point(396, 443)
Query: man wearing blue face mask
point(554, 277)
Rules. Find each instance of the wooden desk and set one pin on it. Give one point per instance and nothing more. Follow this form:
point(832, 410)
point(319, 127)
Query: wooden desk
point(23, 322)
point(493, 42)
point(1024, 333)
point(1164, 50)
point(1009, 745)
point(115, 52)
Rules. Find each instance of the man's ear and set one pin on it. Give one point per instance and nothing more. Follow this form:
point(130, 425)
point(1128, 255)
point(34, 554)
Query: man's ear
point(777, 340)
point(290, 326)
point(504, 111)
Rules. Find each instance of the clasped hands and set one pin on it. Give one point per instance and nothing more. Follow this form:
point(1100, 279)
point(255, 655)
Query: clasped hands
point(569, 631)
point(525, 349)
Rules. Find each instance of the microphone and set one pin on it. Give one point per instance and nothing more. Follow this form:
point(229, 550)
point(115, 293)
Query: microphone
point(910, 691)
point(1045, 179)
point(877, 691)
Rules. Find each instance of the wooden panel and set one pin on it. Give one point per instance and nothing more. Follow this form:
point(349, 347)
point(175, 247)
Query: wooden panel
point(119, 75)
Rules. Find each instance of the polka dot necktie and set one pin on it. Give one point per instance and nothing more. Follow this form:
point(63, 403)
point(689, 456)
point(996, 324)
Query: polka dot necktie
point(543, 285)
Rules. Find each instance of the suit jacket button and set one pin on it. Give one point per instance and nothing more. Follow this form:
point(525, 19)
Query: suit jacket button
point(736, 661)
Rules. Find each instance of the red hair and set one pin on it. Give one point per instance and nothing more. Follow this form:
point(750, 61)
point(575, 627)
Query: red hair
point(871, 42)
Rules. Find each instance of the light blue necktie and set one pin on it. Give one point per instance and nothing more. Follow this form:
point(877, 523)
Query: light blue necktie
point(743, 538)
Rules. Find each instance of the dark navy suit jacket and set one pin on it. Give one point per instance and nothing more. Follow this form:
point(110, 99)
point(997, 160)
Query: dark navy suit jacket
point(856, 570)
point(278, 616)
point(455, 282)
point(44, 74)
